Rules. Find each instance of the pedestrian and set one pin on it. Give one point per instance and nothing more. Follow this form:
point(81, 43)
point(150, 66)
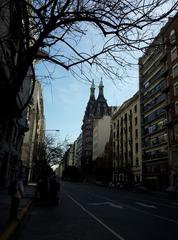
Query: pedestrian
point(15, 190)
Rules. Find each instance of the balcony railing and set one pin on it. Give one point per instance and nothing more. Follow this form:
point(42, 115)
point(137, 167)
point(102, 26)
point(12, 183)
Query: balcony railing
point(158, 155)
point(160, 87)
point(154, 103)
point(153, 116)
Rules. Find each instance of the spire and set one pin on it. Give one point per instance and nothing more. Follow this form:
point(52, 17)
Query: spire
point(101, 86)
point(92, 90)
point(101, 107)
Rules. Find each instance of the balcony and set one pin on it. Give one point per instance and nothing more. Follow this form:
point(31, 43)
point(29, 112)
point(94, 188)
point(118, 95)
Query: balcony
point(153, 116)
point(167, 104)
point(164, 73)
point(165, 89)
point(155, 143)
point(168, 123)
point(164, 57)
point(163, 86)
point(154, 103)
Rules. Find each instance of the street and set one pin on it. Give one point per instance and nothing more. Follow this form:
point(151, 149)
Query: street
point(89, 212)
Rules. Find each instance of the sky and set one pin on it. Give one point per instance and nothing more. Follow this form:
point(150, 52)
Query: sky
point(65, 97)
point(65, 100)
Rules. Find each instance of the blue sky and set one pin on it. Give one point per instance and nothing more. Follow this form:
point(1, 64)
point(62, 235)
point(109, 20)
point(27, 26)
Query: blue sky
point(65, 99)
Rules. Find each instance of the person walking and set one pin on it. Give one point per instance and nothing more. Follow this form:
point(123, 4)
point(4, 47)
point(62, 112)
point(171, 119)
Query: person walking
point(16, 190)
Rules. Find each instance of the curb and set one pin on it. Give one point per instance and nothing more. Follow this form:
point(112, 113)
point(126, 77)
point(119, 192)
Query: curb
point(12, 227)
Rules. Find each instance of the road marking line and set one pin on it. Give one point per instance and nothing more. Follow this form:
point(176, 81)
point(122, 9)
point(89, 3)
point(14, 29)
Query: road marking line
point(94, 217)
point(139, 210)
point(157, 203)
point(106, 203)
point(145, 205)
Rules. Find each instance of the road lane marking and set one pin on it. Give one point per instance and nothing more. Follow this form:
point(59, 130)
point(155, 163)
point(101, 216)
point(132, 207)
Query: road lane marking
point(94, 217)
point(157, 203)
point(106, 203)
point(145, 205)
point(139, 210)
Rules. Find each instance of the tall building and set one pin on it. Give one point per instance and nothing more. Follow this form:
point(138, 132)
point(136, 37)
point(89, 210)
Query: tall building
point(14, 96)
point(126, 142)
point(79, 151)
point(36, 133)
point(101, 135)
point(96, 108)
point(159, 107)
point(102, 165)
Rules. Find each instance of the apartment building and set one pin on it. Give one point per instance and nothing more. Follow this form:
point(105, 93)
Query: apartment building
point(79, 151)
point(101, 134)
point(13, 96)
point(102, 164)
point(126, 142)
point(36, 133)
point(159, 106)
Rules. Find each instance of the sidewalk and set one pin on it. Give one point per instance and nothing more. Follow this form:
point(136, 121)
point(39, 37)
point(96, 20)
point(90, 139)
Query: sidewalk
point(6, 230)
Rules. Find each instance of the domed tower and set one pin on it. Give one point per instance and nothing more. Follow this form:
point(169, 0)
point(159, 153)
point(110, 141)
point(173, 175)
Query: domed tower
point(101, 107)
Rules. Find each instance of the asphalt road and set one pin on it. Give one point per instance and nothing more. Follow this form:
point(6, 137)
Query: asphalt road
point(88, 212)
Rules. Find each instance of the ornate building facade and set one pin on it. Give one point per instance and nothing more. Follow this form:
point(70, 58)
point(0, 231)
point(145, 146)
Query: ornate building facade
point(96, 108)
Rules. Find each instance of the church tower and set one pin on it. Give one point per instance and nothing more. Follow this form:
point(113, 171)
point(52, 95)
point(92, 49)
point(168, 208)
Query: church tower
point(95, 109)
point(101, 107)
point(87, 133)
point(90, 105)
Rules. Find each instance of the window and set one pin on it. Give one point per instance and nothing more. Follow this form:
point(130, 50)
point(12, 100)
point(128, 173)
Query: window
point(176, 132)
point(135, 108)
point(135, 120)
point(173, 53)
point(136, 133)
point(137, 162)
point(175, 71)
point(172, 36)
point(176, 89)
point(176, 107)
point(145, 85)
point(136, 147)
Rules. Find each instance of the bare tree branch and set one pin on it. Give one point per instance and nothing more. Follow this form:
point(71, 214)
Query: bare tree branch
point(61, 27)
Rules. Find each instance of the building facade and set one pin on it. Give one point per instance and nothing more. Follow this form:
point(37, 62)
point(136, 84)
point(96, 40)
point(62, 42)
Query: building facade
point(158, 87)
point(102, 159)
point(126, 143)
point(79, 151)
point(36, 133)
point(96, 108)
point(13, 99)
point(101, 135)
